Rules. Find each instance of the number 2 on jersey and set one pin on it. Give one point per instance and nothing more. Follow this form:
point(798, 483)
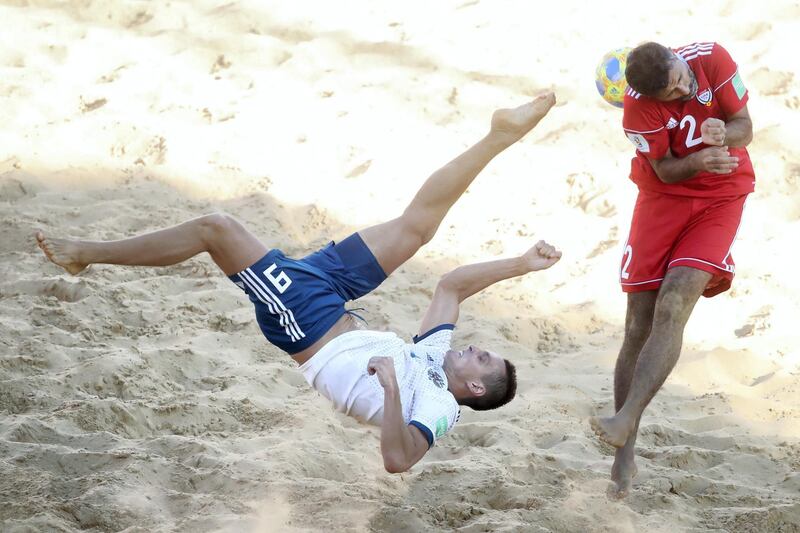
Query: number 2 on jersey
point(691, 140)
point(281, 281)
point(628, 255)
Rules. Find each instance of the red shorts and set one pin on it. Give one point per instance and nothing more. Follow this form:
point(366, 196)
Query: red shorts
point(669, 231)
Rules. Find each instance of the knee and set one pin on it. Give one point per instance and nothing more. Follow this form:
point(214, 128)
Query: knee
point(216, 226)
point(671, 310)
point(415, 228)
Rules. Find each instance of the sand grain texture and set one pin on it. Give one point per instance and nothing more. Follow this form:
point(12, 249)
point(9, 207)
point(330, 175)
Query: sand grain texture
point(146, 399)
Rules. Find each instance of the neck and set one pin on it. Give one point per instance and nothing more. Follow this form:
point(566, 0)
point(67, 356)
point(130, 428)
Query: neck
point(455, 388)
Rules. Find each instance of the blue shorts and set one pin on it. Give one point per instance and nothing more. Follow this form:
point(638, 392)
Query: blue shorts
point(298, 300)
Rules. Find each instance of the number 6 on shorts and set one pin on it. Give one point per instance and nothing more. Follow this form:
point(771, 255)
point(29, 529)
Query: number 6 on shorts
point(281, 281)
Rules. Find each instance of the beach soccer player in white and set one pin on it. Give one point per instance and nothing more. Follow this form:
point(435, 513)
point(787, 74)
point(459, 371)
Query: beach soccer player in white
point(413, 391)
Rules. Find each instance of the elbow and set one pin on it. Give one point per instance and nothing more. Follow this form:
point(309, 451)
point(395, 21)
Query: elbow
point(669, 174)
point(394, 466)
point(664, 178)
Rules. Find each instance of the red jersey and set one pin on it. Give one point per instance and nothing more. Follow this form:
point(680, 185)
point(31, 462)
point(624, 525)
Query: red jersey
point(654, 126)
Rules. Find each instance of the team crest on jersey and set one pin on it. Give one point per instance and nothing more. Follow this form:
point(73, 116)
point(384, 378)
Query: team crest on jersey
point(671, 123)
point(434, 376)
point(705, 97)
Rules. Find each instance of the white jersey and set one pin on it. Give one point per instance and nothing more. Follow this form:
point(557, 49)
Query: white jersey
point(339, 372)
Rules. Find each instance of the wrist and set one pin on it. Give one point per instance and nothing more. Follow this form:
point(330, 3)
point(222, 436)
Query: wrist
point(499, 140)
point(390, 391)
point(521, 266)
point(695, 162)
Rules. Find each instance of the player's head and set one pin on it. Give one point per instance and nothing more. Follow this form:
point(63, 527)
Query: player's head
point(480, 379)
point(656, 71)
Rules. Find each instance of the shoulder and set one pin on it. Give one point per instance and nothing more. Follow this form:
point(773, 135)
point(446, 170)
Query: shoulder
point(435, 412)
point(437, 335)
point(633, 101)
point(697, 50)
point(641, 114)
point(710, 57)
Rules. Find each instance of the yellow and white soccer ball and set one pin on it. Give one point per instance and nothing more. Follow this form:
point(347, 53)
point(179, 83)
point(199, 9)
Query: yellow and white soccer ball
point(610, 76)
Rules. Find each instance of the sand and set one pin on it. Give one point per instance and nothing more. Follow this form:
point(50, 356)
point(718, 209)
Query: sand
point(144, 399)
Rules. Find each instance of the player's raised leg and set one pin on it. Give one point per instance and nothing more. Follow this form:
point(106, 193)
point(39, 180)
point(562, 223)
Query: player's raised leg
point(394, 242)
point(638, 324)
point(232, 247)
point(677, 297)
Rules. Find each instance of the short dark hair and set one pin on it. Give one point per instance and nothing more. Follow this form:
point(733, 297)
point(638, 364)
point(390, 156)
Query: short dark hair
point(501, 387)
point(647, 69)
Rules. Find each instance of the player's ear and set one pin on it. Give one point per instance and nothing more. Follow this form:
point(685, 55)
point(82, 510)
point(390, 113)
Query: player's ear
point(477, 388)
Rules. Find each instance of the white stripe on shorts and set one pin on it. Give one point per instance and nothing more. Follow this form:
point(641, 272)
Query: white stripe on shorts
point(274, 304)
point(264, 298)
point(285, 311)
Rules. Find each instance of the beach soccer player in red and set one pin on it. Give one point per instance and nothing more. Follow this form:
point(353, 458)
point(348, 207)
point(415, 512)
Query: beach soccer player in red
point(685, 111)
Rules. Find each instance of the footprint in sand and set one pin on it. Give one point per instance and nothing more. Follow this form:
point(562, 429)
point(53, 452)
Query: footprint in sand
point(476, 435)
point(12, 190)
point(758, 321)
point(770, 82)
point(60, 289)
point(584, 193)
point(749, 32)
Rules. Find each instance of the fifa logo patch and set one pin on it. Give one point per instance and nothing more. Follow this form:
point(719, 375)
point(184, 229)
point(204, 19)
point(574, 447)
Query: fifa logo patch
point(441, 426)
point(705, 97)
point(639, 142)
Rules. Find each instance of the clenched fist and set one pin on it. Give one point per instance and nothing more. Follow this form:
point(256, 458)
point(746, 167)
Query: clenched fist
point(384, 368)
point(716, 159)
point(541, 256)
point(712, 131)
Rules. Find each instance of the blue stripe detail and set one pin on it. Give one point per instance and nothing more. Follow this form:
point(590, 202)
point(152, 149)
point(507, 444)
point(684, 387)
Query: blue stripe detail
point(425, 431)
point(440, 327)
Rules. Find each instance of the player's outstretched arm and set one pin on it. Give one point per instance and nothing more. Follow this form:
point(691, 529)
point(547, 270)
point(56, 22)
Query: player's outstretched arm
point(461, 283)
point(402, 445)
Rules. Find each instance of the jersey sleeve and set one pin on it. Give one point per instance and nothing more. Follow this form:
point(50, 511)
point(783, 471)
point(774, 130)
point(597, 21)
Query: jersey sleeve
point(433, 344)
point(725, 78)
point(644, 126)
point(434, 412)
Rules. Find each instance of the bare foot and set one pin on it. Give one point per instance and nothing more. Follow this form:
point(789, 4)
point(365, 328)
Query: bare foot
point(515, 123)
point(614, 430)
point(622, 474)
point(62, 252)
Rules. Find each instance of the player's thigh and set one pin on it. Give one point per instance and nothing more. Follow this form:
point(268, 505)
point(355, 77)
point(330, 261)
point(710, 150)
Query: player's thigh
point(657, 223)
point(707, 242)
point(232, 246)
point(392, 243)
